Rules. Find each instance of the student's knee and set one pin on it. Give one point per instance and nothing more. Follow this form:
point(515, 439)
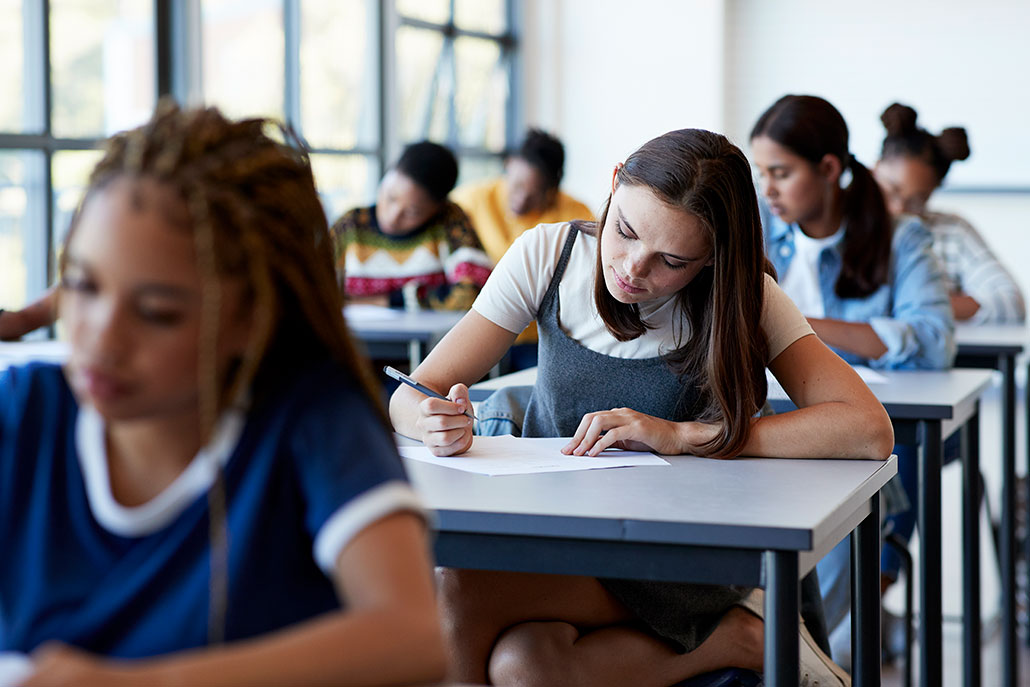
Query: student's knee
point(465, 596)
point(535, 653)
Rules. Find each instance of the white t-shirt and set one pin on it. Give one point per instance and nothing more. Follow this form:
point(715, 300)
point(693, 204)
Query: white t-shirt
point(516, 288)
point(802, 278)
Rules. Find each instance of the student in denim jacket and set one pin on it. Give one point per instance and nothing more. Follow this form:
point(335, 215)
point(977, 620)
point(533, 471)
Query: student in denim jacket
point(870, 286)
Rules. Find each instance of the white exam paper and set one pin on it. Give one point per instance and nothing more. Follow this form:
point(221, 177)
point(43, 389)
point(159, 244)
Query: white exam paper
point(14, 668)
point(510, 455)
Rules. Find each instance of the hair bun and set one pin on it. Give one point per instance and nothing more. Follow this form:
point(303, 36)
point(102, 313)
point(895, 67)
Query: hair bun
point(953, 143)
point(899, 120)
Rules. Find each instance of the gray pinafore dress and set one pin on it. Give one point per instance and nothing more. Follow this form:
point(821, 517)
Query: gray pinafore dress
point(573, 380)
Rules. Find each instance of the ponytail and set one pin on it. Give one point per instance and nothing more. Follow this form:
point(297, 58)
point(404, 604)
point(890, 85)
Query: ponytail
point(866, 247)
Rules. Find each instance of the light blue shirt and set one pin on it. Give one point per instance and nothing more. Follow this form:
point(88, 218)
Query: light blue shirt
point(911, 313)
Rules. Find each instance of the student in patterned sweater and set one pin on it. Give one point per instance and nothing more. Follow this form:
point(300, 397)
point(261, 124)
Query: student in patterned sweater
point(412, 234)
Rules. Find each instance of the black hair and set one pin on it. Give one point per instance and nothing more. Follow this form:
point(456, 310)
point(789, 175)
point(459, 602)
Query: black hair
point(546, 153)
point(906, 139)
point(812, 128)
point(431, 166)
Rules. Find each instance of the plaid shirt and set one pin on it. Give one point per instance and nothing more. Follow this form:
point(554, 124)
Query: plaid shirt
point(974, 270)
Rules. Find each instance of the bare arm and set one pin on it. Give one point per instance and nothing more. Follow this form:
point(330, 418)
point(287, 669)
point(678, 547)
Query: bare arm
point(963, 305)
point(837, 416)
point(389, 633)
point(463, 357)
point(40, 313)
point(855, 337)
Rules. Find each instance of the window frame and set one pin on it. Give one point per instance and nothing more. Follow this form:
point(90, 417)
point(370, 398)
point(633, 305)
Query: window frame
point(177, 65)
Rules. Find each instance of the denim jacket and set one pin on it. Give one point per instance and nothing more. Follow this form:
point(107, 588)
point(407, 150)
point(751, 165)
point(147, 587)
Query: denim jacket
point(911, 313)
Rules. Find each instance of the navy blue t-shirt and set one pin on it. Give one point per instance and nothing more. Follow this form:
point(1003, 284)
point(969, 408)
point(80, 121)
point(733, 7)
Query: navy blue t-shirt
point(303, 475)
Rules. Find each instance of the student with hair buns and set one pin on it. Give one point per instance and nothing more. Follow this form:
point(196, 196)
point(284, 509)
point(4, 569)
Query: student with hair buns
point(869, 284)
point(656, 327)
point(412, 234)
point(913, 164)
point(528, 194)
point(208, 492)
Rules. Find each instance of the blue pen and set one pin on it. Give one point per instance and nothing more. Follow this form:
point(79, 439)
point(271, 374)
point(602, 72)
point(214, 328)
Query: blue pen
point(405, 379)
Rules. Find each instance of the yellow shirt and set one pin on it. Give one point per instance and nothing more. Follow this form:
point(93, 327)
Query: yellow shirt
point(486, 204)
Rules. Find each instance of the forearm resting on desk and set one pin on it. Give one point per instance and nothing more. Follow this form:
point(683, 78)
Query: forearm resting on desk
point(855, 337)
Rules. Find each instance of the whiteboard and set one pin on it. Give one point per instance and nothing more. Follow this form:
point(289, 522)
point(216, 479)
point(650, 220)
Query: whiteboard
point(958, 63)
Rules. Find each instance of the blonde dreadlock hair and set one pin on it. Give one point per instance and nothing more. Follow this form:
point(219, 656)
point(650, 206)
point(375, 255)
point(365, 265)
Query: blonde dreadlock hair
point(255, 214)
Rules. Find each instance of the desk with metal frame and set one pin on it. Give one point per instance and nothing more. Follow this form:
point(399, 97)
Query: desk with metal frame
point(767, 524)
point(925, 408)
point(403, 334)
point(996, 347)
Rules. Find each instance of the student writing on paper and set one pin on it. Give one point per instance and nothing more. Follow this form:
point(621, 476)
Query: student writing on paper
point(208, 492)
point(412, 235)
point(869, 284)
point(656, 325)
point(913, 164)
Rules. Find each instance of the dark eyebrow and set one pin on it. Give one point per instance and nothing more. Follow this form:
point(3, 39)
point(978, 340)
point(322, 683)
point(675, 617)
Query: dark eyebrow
point(622, 220)
point(181, 293)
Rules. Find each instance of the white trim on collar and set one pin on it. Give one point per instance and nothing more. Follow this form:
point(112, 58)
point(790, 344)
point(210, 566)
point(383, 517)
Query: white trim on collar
point(160, 511)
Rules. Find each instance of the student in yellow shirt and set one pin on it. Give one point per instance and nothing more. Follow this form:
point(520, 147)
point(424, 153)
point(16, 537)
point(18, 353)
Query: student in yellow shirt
point(527, 195)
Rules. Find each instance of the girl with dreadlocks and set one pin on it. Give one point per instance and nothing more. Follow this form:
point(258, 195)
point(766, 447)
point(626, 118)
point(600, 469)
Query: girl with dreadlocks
point(211, 465)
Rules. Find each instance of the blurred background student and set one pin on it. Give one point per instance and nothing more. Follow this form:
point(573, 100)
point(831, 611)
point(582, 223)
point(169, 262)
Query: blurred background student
point(413, 234)
point(869, 284)
point(527, 195)
point(912, 165)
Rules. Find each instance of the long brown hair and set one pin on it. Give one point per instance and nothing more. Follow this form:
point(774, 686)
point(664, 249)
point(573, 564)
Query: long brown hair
point(812, 128)
point(702, 173)
point(251, 204)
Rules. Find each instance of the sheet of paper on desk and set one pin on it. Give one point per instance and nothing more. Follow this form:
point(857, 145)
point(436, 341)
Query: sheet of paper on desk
point(14, 668)
point(363, 312)
point(510, 455)
point(868, 375)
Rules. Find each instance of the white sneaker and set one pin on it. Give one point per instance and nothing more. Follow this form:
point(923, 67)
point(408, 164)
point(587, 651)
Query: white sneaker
point(817, 670)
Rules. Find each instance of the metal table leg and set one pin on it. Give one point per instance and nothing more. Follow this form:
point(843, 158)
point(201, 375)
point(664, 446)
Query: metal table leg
point(865, 598)
point(782, 663)
point(971, 550)
point(1010, 659)
point(929, 513)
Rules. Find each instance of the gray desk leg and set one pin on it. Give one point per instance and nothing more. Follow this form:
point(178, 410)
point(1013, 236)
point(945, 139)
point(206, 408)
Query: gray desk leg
point(782, 663)
point(1026, 496)
point(1010, 659)
point(414, 354)
point(930, 664)
point(971, 549)
point(865, 598)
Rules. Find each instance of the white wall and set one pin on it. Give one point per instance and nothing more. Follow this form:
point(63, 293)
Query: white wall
point(607, 75)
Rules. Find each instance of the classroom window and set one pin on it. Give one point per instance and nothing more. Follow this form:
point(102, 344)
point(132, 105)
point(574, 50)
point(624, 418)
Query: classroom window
point(454, 78)
point(77, 71)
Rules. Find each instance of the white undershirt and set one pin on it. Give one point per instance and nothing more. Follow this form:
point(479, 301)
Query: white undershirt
point(517, 286)
point(801, 282)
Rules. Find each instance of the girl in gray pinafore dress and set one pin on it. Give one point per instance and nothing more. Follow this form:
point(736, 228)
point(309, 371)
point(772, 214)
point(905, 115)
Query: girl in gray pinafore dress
point(681, 236)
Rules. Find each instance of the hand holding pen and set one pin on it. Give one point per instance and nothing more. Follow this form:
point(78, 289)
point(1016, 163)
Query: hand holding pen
point(445, 421)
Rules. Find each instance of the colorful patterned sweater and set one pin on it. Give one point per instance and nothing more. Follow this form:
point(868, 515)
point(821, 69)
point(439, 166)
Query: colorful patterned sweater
point(443, 256)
